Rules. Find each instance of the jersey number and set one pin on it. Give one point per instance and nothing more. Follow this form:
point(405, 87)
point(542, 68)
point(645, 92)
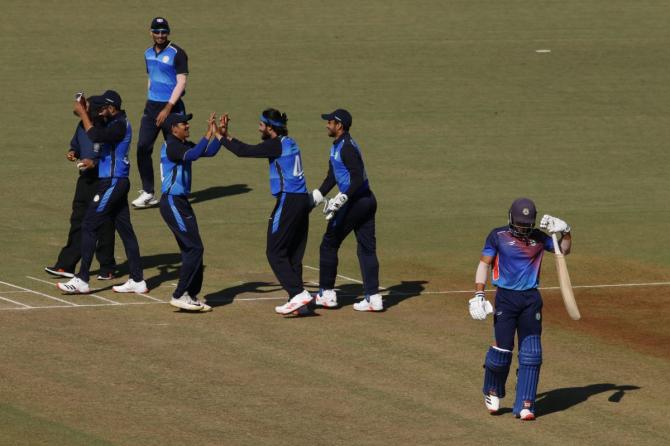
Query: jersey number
point(297, 167)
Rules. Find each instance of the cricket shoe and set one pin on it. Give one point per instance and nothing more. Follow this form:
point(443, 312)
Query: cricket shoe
point(526, 415)
point(326, 298)
point(370, 303)
point(297, 301)
point(145, 200)
point(106, 276)
point(186, 302)
point(74, 286)
point(492, 403)
point(58, 272)
point(131, 287)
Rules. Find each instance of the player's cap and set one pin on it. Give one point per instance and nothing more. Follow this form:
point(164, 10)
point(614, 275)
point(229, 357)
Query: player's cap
point(339, 115)
point(523, 211)
point(160, 24)
point(175, 118)
point(111, 97)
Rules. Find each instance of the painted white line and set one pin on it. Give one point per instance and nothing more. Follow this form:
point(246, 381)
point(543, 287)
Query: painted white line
point(152, 298)
point(13, 292)
point(38, 293)
point(80, 306)
point(86, 294)
point(15, 302)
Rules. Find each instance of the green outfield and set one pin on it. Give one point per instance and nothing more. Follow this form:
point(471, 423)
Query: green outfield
point(459, 107)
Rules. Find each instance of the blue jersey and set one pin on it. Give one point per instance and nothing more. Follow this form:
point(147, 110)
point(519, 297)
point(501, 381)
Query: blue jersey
point(162, 69)
point(286, 174)
point(175, 176)
point(516, 262)
point(113, 157)
point(340, 170)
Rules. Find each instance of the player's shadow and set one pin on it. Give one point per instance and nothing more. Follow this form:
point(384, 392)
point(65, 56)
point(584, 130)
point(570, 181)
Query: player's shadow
point(558, 400)
point(227, 295)
point(214, 192)
point(349, 293)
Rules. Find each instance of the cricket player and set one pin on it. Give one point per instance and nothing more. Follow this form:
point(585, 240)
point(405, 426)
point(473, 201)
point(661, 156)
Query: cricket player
point(113, 135)
point(352, 209)
point(514, 254)
point(177, 154)
point(289, 221)
point(167, 68)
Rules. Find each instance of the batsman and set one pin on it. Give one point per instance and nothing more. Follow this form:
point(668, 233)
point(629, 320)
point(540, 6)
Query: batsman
point(513, 254)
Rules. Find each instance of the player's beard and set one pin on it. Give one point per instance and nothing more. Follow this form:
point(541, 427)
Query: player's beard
point(265, 135)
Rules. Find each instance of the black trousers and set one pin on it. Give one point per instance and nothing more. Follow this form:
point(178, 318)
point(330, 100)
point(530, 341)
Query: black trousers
point(146, 139)
point(356, 215)
point(287, 238)
point(180, 218)
point(110, 204)
point(70, 254)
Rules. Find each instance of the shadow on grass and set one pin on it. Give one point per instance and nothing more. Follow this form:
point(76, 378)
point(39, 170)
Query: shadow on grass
point(558, 400)
point(227, 295)
point(214, 192)
point(167, 264)
point(348, 294)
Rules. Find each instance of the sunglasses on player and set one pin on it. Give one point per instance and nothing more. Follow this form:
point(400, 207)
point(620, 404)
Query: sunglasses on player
point(160, 32)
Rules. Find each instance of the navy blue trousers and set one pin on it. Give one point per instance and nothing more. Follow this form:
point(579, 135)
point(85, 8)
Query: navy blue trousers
point(180, 218)
point(70, 254)
point(356, 215)
point(287, 238)
point(146, 139)
point(109, 204)
point(516, 312)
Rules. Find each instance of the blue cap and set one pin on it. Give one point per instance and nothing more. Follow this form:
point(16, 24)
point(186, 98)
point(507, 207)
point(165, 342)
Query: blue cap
point(159, 23)
point(339, 115)
point(175, 118)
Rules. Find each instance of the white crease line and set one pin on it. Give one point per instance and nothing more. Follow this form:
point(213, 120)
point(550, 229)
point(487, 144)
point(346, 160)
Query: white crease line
point(80, 306)
point(15, 302)
point(40, 294)
point(152, 298)
point(78, 294)
point(13, 292)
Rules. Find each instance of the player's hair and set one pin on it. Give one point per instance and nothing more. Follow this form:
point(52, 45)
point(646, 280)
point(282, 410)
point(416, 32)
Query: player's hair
point(276, 117)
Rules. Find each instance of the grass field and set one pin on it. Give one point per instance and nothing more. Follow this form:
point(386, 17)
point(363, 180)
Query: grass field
point(457, 114)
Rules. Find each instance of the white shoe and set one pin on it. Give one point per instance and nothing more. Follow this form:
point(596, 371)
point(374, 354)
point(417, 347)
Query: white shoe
point(186, 302)
point(526, 415)
point(492, 403)
point(370, 303)
point(74, 286)
point(144, 200)
point(131, 287)
point(297, 301)
point(326, 298)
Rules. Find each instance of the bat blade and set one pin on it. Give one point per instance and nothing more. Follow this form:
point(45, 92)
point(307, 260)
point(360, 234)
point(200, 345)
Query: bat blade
point(565, 283)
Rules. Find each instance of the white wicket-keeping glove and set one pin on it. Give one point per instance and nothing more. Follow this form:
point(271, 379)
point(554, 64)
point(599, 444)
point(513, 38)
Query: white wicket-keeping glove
point(553, 224)
point(316, 197)
point(334, 204)
point(479, 306)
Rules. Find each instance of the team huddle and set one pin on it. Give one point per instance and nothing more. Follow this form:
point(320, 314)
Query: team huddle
point(512, 253)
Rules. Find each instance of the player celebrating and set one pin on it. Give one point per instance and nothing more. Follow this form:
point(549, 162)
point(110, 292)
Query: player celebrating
point(289, 221)
point(514, 253)
point(177, 154)
point(167, 67)
point(352, 209)
point(111, 202)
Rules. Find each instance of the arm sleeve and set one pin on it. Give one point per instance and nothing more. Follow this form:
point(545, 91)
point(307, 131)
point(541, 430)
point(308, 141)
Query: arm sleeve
point(352, 159)
point(270, 148)
point(328, 182)
point(548, 242)
point(74, 142)
point(112, 133)
point(212, 148)
point(181, 62)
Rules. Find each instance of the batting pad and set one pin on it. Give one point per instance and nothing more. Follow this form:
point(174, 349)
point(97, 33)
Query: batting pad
point(496, 369)
point(530, 360)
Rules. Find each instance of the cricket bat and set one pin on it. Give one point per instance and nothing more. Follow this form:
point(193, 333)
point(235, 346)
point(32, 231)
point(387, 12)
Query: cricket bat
point(564, 281)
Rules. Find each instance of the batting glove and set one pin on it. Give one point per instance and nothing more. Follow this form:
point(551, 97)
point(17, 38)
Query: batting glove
point(479, 306)
point(553, 224)
point(317, 198)
point(334, 205)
